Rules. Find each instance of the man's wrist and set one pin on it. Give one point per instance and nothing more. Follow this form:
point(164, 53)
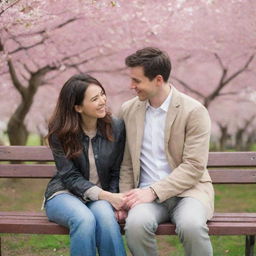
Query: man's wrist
point(153, 192)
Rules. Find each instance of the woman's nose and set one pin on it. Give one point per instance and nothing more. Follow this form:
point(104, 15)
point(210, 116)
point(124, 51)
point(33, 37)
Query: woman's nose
point(103, 99)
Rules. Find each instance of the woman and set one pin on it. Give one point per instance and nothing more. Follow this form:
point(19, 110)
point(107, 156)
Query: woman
point(87, 145)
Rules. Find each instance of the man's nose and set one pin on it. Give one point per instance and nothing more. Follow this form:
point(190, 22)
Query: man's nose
point(132, 85)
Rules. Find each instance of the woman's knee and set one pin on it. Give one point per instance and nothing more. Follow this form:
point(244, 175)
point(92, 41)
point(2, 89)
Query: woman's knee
point(102, 211)
point(83, 222)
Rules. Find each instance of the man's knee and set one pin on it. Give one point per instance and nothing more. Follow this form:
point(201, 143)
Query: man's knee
point(137, 225)
point(191, 228)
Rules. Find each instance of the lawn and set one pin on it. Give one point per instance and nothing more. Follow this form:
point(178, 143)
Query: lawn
point(27, 194)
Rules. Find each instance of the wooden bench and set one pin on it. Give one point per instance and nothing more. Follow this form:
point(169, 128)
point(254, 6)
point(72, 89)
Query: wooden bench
point(224, 167)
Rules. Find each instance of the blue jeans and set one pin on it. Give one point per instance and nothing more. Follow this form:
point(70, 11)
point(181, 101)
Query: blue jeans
point(90, 225)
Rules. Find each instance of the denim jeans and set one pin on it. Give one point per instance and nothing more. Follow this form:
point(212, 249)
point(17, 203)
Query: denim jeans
point(91, 225)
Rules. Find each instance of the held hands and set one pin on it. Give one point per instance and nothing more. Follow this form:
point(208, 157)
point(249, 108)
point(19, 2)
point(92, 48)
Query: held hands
point(123, 202)
point(116, 199)
point(138, 196)
point(132, 198)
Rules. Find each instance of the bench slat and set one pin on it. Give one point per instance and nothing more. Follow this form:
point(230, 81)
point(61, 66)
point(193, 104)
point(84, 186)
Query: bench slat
point(233, 176)
point(232, 159)
point(43, 153)
point(27, 171)
point(219, 176)
point(32, 222)
point(25, 153)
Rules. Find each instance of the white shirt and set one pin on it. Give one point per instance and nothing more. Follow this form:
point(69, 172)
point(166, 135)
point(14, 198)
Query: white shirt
point(153, 162)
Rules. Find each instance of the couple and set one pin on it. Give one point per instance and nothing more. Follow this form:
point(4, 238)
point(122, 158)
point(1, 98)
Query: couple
point(163, 160)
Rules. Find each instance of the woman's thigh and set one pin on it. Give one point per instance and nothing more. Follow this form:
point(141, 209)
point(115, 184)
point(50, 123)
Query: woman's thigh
point(102, 211)
point(65, 209)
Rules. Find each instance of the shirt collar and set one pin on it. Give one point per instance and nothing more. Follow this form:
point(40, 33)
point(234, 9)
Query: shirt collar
point(165, 104)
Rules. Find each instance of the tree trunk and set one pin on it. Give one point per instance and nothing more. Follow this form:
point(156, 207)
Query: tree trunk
point(17, 132)
point(16, 129)
point(224, 137)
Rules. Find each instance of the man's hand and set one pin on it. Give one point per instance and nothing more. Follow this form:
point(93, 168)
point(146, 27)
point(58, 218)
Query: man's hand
point(138, 196)
point(121, 215)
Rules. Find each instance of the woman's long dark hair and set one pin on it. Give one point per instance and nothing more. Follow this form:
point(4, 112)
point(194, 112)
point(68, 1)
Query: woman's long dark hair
point(66, 122)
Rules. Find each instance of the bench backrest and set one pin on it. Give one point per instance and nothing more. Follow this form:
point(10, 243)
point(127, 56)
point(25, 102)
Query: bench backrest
point(37, 162)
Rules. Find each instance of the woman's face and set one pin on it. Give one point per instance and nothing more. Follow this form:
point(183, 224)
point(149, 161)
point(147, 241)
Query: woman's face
point(94, 103)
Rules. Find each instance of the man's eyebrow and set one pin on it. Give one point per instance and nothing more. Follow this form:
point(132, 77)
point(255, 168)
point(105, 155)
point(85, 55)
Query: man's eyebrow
point(135, 79)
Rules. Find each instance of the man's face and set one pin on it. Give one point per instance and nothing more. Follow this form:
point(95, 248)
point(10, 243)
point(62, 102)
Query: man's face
point(144, 88)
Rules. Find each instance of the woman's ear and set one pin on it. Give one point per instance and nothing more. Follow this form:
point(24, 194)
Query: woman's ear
point(78, 108)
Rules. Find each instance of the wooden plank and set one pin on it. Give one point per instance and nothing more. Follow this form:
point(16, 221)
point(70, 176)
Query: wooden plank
point(218, 216)
point(234, 214)
point(33, 228)
point(46, 227)
point(25, 153)
point(233, 176)
point(237, 159)
point(219, 176)
point(43, 153)
point(27, 170)
point(33, 222)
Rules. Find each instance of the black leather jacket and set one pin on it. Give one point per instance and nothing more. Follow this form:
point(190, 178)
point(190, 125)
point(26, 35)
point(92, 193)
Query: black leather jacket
point(73, 174)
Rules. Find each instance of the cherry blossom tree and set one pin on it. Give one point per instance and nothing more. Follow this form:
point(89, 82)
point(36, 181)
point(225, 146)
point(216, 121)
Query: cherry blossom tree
point(211, 44)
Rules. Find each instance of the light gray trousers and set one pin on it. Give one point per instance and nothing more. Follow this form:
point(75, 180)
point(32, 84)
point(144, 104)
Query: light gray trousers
point(187, 213)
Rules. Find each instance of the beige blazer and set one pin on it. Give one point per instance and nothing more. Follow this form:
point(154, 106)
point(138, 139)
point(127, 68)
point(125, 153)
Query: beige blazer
point(187, 134)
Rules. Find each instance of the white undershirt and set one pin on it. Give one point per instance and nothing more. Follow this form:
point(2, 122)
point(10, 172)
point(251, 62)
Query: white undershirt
point(153, 162)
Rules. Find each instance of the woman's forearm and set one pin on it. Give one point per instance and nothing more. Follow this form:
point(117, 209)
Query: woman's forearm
point(116, 199)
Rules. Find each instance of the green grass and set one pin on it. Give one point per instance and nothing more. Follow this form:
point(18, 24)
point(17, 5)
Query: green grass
point(33, 140)
point(27, 195)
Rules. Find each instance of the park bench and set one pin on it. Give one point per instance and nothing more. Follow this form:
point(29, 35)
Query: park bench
point(224, 167)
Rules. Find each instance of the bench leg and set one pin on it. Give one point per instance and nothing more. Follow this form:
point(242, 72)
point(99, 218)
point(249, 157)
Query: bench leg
point(249, 245)
point(0, 247)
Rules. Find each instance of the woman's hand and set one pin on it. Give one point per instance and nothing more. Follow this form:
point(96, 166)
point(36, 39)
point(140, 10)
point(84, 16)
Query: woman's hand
point(116, 199)
point(121, 215)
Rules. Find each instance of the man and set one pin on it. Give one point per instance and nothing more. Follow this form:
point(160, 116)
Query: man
point(164, 165)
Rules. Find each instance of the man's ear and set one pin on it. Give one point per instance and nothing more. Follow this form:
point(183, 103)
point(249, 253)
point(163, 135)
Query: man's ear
point(159, 80)
point(78, 108)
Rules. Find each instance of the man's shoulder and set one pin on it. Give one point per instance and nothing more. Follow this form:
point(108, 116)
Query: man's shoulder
point(189, 102)
point(129, 106)
point(130, 103)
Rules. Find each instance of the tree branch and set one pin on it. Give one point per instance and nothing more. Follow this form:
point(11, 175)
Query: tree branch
point(227, 93)
point(185, 85)
point(17, 84)
point(43, 30)
point(28, 47)
point(11, 5)
point(240, 70)
point(219, 60)
point(224, 82)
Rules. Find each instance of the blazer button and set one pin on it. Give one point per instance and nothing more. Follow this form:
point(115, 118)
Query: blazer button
point(96, 156)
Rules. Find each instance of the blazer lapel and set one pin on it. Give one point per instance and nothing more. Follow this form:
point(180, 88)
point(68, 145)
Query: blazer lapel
point(171, 115)
point(140, 117)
